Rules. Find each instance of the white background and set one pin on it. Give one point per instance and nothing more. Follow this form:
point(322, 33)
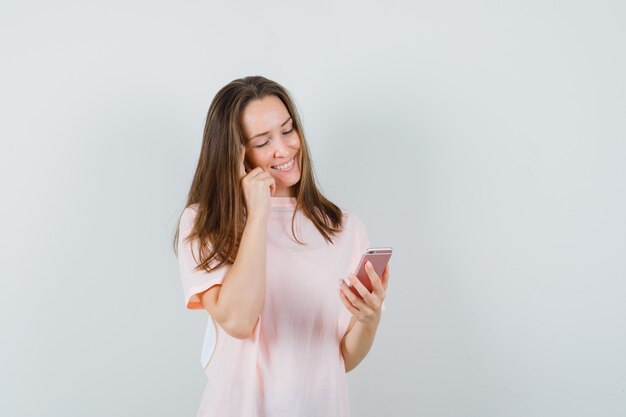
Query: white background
point(484, 141)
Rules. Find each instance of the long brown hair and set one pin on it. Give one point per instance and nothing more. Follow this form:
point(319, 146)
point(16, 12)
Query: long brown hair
point(216, 186)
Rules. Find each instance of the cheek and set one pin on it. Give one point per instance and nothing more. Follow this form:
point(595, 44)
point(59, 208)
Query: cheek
point(258, 158)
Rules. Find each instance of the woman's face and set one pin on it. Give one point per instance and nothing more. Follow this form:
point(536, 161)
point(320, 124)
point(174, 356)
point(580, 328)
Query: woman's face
point(271, 141)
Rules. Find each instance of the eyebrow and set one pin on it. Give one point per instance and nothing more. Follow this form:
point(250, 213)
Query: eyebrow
point(265, 133)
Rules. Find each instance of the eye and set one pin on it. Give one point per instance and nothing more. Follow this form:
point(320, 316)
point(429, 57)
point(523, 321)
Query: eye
point(260, 146)
point(288, 132)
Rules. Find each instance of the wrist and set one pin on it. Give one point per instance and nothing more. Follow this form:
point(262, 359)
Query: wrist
point(371, 325)
point(256, 218)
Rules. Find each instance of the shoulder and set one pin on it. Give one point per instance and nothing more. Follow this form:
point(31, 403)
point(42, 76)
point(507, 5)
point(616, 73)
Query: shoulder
point(190, 210)
point(189, 214)
point(352, 221)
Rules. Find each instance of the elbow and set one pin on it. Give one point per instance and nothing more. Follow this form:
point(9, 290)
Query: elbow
point(348, 363)
point(349, 366)
point(239, 329)
point(233, 323)
point(238, 332)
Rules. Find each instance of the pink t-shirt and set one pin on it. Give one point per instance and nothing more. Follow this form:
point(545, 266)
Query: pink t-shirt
point(292, 364)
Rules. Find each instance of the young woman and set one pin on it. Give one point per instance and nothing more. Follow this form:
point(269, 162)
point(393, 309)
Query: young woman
point(268, 257)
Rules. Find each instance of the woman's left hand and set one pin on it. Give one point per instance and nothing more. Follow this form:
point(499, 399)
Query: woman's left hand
point(366, 308)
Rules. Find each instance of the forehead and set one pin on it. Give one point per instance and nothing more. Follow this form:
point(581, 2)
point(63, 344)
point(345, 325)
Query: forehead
point(263, 115)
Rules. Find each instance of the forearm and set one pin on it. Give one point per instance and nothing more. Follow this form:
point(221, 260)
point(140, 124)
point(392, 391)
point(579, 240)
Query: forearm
point(242, 294)
point(357, 343)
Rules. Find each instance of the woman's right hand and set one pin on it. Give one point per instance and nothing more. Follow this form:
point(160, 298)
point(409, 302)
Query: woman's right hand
point(258, 186)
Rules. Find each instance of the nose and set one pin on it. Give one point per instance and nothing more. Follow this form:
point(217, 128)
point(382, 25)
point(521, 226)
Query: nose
point(281, 148)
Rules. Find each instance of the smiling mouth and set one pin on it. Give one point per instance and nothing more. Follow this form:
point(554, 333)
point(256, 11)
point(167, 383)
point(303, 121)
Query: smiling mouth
point(285, 166)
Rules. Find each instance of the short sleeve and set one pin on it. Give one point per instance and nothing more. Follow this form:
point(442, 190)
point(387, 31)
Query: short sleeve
point(194, 281)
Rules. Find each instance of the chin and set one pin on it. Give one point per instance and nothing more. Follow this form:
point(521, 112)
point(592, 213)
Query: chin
point(288, 183)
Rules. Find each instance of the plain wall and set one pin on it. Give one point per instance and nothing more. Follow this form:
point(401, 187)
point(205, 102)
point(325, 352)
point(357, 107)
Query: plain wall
point(484, 141)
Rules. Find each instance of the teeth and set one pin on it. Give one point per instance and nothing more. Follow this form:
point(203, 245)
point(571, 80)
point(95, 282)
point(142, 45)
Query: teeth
point(284, 166)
